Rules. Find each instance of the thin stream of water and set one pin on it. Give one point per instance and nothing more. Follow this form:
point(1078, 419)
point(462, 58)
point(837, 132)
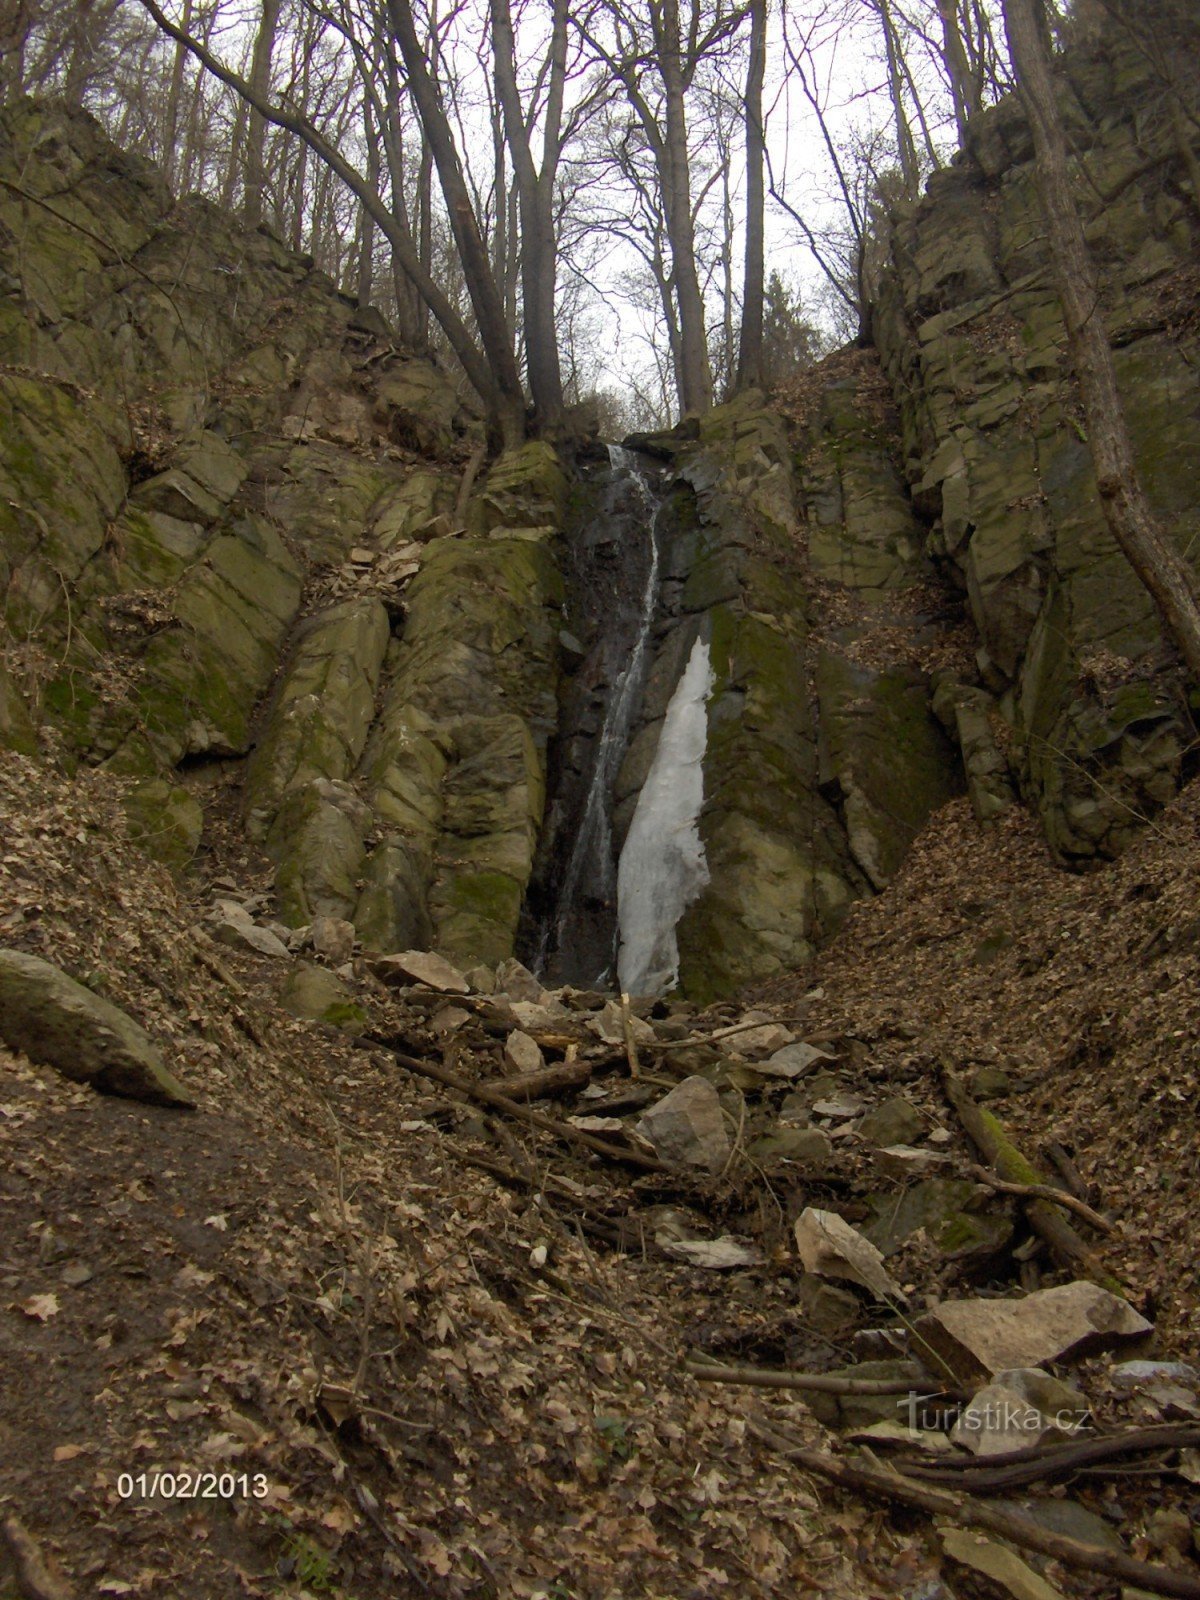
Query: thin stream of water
point(591, 858)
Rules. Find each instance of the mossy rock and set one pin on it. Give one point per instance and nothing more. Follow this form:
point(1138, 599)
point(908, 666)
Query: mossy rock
point(165, 819)
point(944, 1209)
point(318, 995)
point(391, 913)
point(317, 842)
point(323, 710)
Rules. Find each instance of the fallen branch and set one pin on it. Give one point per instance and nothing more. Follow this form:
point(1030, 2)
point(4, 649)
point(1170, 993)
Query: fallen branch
point(987, 1133)
point(488, 1096)
point(34, 1578)
point(1043, 1191)
point(1015, 1526)
point(1039, 1462)
point(814, 1382)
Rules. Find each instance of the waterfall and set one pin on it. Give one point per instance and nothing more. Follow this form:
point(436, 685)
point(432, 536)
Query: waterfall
point(590, 863)
point(662, 867)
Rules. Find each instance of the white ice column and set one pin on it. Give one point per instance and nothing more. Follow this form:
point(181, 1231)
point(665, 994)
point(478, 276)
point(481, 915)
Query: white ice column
point(662, 867)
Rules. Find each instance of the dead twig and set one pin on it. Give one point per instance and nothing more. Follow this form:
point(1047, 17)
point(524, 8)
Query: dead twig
point(721, 1034)
point(1015, 1526)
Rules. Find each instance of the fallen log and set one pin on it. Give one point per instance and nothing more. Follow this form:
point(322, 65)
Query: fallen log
point(1014, 1526)
point(488, 1096)
point(1046, 1219)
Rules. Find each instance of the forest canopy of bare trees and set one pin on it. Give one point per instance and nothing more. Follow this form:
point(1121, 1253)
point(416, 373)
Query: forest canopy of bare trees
point(668, 198)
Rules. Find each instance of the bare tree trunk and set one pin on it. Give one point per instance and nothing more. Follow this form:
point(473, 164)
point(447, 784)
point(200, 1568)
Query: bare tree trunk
point(256, 133)
point(233, 164)
point(905, 148)
point(750, 345)
point(486, 300)
point(535, 198)
point(425, 229)
point(170, 152)
point(366, 223)
point(1130, 520)
point(964, 90)
point(695, 378)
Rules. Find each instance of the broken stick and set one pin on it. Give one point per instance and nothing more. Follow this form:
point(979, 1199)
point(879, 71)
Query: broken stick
point(984, 1474)
point(635, 1065)
point(569, 1074)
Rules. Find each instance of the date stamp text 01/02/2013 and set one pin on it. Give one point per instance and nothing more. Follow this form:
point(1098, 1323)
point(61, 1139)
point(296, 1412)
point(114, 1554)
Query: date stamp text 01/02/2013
point(185, 1485)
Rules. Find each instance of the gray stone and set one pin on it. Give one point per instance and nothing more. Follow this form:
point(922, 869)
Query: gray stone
point(423, 966)
point(609, 1026)
point(894, 1122)
point(830, 1247)
point(687, 1127)
point(530, 1016)
point(1070, 1518)
point(997, 1562)
point(482, 979)
point(793, 1061)
point(825, 1306)
point(808, 1145)
point(767, 1040)
point(522, 1053)
point(846, 1411)
point(55, 1020)
point(980, 1338)
point(1129, 1374)
point(518, 983)
point(1019, 1409)
point(248, 936)
point(333, 938)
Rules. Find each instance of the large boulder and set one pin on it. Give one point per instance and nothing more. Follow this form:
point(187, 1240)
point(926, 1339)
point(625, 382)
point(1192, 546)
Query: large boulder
point(55, 1020)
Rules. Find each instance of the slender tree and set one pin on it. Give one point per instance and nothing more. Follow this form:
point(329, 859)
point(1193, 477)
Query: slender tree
point(750, 343)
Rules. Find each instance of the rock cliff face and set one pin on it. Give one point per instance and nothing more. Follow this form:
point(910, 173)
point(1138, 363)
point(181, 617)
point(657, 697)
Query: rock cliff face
point(226, 552)
point(234, 561)
point(995, 448)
